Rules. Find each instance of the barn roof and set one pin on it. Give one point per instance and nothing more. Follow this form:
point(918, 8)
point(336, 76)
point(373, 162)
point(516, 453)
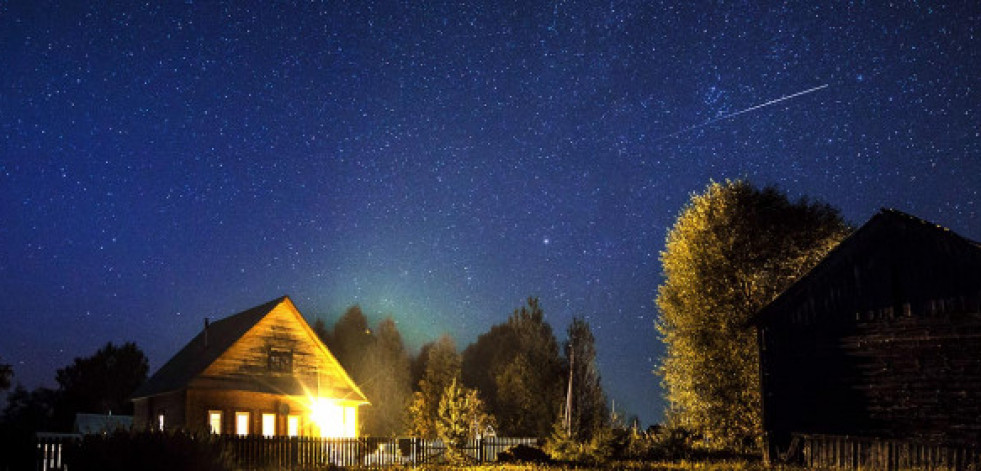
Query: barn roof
point(937, 262)
point(206, 347)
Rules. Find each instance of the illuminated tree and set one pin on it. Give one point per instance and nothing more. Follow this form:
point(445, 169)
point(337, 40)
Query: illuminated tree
point(732, 250)
point(442, 369)
point(460, 418)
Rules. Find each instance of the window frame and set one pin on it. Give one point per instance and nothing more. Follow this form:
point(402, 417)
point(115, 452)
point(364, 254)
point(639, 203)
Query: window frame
point(211, 421)
point(238, 423)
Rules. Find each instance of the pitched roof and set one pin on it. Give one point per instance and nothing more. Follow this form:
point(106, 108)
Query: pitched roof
point(191, 360)
point(953, 261)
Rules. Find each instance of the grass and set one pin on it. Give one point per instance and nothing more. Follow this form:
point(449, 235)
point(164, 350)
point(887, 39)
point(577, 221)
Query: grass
point(735, 465)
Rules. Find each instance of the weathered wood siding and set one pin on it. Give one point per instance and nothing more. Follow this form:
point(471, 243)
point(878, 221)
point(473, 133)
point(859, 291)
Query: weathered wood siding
point(245, 365)
point(905, 377)
point(838, 452)
point(882, 339)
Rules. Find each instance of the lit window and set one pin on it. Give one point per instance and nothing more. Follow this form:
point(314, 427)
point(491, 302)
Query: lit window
point(351, 422)
point(293, 425)
point(242, 423)
point(214, 421)
point(328, 416)
point(268, 425)
point(160, 421)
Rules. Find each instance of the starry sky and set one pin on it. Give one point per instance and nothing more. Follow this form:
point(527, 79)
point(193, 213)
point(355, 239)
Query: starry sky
point(439, 162)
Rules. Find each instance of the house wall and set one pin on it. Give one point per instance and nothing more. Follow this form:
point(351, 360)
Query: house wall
point(249, 358)
point(172, 405)
point(201, 402)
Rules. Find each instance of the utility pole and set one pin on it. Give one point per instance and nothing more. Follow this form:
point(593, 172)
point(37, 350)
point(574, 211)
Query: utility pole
point(568, 394)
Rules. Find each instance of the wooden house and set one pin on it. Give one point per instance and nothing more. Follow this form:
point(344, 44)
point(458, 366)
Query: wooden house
point(262, 371)
point(879, 348)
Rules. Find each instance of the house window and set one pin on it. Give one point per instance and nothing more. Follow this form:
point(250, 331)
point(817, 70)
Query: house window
point(242, 423)
point(268, 425)
point(214, 421)
point(293, 425)
point(280, 360)
point(351, 422)
point(160, 421)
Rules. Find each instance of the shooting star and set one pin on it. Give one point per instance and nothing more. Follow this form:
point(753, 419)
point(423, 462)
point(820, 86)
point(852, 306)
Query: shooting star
point(737, 113)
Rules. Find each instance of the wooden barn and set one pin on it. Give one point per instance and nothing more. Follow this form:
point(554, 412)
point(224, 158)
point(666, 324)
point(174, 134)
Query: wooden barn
point(262, 371)
point(873, 358)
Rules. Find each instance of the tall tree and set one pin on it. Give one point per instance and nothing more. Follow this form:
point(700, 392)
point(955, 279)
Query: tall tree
point(389, 386)
point(320, 329)
point(587, 402)
point(418, 366)
point(350, 341)
point(442, 369)
point(6, 372)
point(732, 250)
point(101, 383)
point(517, 369)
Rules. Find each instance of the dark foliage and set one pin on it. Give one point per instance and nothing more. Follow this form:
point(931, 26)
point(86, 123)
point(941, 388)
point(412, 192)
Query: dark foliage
point(147, 451)
point(517, 369)
point(6, 373)
point(524, 454)
point(100, 384)
point(26, 413)
point(349, 342)
point(589, 412)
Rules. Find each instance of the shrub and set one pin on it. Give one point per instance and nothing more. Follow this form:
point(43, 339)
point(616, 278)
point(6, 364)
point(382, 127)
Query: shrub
point(147, 451)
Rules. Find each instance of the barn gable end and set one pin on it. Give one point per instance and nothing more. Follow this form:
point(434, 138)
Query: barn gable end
point(881, 339)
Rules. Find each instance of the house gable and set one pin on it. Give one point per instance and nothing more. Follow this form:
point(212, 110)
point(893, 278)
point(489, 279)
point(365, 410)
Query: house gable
point(280, 354)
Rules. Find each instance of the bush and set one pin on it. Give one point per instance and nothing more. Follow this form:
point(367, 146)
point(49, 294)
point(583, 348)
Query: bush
point(147, 451)
point(523, 454)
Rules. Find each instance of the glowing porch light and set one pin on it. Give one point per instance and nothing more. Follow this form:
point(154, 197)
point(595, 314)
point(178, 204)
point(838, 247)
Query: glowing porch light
point(332, 418)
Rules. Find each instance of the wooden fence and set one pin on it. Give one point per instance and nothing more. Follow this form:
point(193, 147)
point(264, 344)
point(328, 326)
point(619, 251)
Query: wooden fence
point(841, 452)
point(256, 452)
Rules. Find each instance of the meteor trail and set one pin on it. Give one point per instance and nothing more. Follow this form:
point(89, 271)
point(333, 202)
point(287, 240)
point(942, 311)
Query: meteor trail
point(747, 110)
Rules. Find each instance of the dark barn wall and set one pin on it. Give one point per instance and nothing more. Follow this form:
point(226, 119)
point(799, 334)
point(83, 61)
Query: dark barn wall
point(897, 378)
point(882, 339)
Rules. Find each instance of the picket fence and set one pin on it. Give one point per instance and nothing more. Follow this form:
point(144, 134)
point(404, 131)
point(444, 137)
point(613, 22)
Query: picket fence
point(294, 453)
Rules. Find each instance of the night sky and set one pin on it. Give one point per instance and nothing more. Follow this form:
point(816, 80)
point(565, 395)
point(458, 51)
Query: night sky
point(441, 162)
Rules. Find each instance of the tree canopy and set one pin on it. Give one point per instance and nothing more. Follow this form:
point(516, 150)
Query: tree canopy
point(6, 373)
point(460, 418)
point(588, 411)
point(378, 363)
point(731, 251)
point(517, 370)
point(102, 383)
point(349, 342)
point(442, 368)
point(389, 385)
